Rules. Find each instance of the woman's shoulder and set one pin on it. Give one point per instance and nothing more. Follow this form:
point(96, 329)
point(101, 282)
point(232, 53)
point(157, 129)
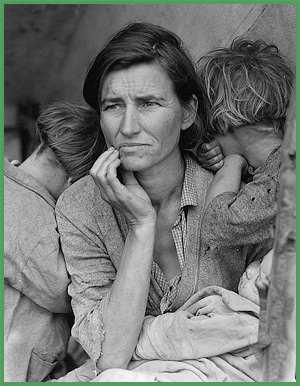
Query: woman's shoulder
point(199, 174)
point(82, 196)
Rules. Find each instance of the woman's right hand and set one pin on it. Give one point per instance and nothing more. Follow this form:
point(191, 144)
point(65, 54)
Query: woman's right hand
point(129, 197)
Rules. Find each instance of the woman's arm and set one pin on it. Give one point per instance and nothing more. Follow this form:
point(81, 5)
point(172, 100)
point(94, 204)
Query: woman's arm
point(109, 306)
point(126, 302)
point(187, 334)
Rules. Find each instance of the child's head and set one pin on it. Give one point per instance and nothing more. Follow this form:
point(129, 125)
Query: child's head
point(72, 137)
point(257, 270)
point(248, 83)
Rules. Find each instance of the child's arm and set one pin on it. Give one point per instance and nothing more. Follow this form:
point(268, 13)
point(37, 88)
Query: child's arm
point(228, 178)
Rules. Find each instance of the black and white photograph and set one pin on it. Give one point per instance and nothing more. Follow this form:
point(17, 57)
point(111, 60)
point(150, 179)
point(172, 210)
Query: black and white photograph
point(149, 193)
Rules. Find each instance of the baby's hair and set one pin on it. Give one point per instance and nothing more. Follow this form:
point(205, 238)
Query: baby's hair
point(248, 83)
point(73, 135)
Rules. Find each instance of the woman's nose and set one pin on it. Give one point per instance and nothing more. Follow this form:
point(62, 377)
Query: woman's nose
point(130, 123)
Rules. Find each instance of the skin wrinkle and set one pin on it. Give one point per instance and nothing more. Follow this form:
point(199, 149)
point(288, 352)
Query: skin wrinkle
point(121, 106)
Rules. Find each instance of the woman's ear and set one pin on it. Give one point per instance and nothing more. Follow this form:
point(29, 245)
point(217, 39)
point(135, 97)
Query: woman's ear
point(190, 112)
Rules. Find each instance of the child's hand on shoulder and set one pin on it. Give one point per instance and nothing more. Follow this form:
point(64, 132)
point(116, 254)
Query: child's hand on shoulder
point(210, 156)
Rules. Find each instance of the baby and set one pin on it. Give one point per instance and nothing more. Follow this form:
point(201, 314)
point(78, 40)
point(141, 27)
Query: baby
point(224, 301)
point(256, 277)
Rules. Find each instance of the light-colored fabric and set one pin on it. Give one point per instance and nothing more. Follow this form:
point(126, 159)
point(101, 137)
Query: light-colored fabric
point(184, 335)
point(248, 216)
point(84, 373)
point(93, 235)
point(36, 303)
point(183, 347)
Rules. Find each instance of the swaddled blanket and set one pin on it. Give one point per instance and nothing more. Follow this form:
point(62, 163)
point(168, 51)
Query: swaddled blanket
point(183, 335)
point(181, 346)
point(186, 346)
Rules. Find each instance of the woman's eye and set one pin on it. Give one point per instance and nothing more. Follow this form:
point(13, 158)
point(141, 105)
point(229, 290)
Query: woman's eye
point(149, 104)
point(111, 107)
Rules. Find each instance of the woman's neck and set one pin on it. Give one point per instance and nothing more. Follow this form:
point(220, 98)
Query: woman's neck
point(164, 183)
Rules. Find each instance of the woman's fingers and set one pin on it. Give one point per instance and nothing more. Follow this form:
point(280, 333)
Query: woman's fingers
point(128, 196)
point(103, 161)
point(204, 310)
point(99, 169)
point(106, 166)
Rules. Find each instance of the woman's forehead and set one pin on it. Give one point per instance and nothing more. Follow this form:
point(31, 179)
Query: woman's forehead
point(140, 79)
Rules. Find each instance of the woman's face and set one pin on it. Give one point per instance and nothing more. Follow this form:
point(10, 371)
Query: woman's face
point(141, 116)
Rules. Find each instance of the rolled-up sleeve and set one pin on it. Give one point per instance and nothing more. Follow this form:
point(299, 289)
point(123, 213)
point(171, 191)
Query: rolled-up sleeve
point(92, 274)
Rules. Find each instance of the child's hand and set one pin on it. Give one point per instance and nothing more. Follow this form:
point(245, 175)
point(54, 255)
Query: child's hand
point(210, 156)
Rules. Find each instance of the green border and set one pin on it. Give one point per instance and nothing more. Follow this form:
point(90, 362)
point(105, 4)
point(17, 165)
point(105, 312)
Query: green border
point(2, 2)
point(147, 2)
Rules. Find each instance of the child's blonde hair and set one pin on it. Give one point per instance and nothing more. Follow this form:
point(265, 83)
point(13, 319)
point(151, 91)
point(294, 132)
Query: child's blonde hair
point(248, 83)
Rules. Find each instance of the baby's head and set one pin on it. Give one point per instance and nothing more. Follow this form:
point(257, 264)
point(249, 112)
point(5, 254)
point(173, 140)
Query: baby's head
point(260, 270)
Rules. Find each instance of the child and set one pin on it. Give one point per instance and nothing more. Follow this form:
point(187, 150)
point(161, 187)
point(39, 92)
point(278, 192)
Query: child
point(36, 302)
point(257, 273)
point(248, 87)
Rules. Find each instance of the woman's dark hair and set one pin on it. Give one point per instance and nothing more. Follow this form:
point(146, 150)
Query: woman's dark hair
point(140, 43)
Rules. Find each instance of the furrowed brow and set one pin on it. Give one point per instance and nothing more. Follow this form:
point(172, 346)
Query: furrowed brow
point(110, 100)
point(149, 98)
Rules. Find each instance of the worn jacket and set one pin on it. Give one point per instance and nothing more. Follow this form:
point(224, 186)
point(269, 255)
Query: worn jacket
point(36, 303)
point(246, 217)
point(93, 236)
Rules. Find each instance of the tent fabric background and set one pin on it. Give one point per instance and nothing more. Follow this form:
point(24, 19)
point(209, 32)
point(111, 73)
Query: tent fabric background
point(49, 47)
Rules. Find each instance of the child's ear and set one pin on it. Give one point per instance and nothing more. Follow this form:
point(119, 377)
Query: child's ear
point(190, 113)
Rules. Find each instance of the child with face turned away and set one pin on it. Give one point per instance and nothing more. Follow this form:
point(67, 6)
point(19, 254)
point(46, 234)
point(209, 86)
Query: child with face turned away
point(37, 306)
point(248, 87)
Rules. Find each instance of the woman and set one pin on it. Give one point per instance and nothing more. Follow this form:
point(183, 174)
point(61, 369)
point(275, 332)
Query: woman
point(131, 233)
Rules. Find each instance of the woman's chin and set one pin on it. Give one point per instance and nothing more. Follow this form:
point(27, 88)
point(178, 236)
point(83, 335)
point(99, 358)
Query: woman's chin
point(133, 164)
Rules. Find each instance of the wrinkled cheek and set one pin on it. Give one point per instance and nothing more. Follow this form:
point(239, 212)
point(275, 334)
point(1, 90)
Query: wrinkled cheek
point(109, 139)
